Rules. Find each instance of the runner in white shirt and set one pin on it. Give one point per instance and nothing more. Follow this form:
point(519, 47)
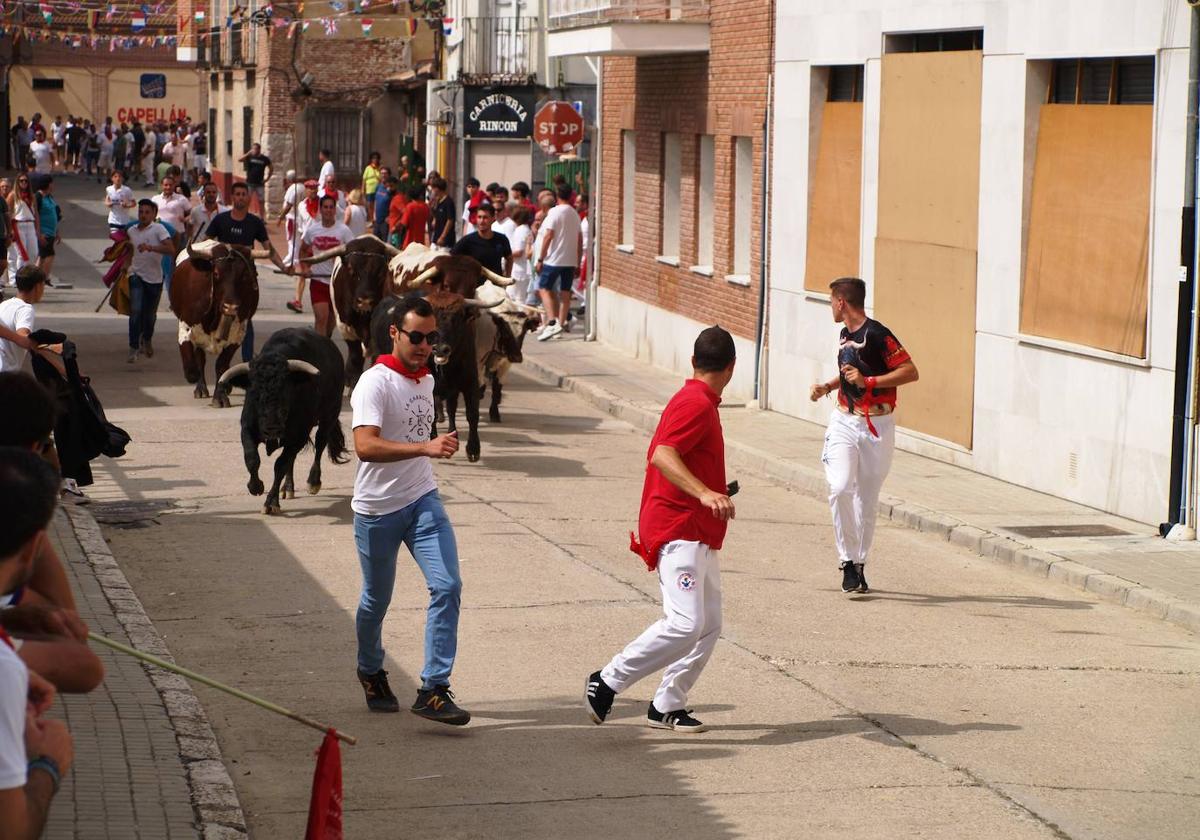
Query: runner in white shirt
point(108, 139)
point(150, 241)
point(201, 216)
point(42, 152)
point(17, 317)
point(299, 208)
point(396, 502)
point(323, 234)
point(557, 262)
point(173, 208)
point(119, 200)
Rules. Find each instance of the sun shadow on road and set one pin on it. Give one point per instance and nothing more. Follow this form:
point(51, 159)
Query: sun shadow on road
point(919, 599)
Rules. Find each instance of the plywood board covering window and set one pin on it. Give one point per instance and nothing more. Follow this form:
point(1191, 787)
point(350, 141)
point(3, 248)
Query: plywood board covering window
point(1086, 279)
point(925, 251)
point(833, 212)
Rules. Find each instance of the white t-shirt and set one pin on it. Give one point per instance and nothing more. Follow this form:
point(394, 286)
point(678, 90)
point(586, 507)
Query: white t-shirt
point(41, 156)
point(358, 219)
point(117, 214)
point(505, 226)
point(562, 223)
point(403, 410)
point(321, 238)
point(15, 314)
point(58, 132)
point(198, 221)
point(326, 171)
point(106, 143)
point(14, 691)
point(147, 264)
point(172, 210)
point(518, 240)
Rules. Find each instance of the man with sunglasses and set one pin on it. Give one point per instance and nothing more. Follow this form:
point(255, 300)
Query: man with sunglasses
point(396, 501)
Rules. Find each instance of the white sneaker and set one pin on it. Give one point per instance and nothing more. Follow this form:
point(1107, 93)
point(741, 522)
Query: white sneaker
point(549, 331)
point(71, 493)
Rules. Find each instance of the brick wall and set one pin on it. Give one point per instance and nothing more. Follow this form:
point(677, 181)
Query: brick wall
point(722, 93)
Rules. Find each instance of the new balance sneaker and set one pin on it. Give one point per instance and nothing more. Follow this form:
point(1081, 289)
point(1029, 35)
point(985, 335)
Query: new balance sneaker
point(598, 698)
point(71, 494)
point(679, 721)
point(861, 571)
point(549, 331)
point(379, 694)
point(850, 579)
point(437, 704)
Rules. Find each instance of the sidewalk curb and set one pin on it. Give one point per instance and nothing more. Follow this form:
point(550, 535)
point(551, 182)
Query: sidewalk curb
point(214, 799)
point(998, 548)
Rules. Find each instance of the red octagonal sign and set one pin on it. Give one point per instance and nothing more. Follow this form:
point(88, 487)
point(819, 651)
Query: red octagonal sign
point(558, 128)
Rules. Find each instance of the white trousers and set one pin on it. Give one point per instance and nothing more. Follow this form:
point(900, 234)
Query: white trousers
point(29, 239)
point(683, 639)
point(856, 463)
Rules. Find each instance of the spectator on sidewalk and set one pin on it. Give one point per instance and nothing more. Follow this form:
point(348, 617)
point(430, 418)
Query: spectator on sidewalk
point(521, 243)
point(258, 173)
point(21, 203)
point(395, 217)
point(300, 207)
point(355, 214)
point(327, 171)
point(119, 200)
point(520, 194)
point(5, 232)
point(150, 241)
point(199, 152)
point(414, 220)
point(441, 234)
point(22, 136)
point(861, 436)
point(49, 218)
point(42, 152)
point(503, 223)
point(371, 177)
point(472, 198)
point(558, 263)
point(75, 135)
point(17, 318)
point(387, 189)
point(489, 248)
point(35, 752)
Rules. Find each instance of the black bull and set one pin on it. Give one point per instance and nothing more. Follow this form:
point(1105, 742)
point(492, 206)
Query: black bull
point(292, 386)
point(456, 364)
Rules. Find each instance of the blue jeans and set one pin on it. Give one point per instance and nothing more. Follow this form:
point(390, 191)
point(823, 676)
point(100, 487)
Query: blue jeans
point(424, 527)
point(556, 278)
point(143, 309)
point(248, 342)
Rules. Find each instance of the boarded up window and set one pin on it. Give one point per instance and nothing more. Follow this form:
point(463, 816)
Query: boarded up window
point(1086, 264)
point(835, 199)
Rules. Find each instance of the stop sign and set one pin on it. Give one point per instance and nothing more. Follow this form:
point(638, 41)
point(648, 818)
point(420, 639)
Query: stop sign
point(557, 127)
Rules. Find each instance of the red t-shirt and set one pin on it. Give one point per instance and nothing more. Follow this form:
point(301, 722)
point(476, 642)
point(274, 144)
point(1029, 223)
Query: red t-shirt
point(415, 219)
point(396, 210)
point(689, 424)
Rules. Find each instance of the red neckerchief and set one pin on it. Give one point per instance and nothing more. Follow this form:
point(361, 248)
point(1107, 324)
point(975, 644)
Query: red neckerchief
point(7, 639)
point(313, 206)
point(392, 363)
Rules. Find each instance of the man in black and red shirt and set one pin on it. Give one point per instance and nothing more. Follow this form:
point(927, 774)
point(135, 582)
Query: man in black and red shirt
point(685, 511)
point(861, 436)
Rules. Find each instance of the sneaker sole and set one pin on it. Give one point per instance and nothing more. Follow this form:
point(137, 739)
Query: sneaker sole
point(587, 704)
point(689, 730)
point(447, 721)
point(387, 711)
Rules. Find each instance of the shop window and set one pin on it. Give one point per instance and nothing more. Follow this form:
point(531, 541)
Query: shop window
point(705, 202)
point(743, 205)
point(628, 186)
point(671, 173)
point(47, 84)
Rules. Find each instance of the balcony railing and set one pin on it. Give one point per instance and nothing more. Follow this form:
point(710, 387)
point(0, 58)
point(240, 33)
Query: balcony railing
point(504, 50)
point(232, 47)
point(569, 14)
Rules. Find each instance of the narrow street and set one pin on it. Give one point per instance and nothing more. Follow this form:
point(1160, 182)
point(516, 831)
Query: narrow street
point(959, 699)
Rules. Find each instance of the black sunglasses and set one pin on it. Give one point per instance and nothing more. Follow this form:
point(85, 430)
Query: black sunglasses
point(416, 336)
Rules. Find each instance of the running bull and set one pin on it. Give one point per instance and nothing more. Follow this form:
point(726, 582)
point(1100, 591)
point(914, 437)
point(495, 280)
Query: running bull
point(417, 266)
point(294, 385)
point(499, 338)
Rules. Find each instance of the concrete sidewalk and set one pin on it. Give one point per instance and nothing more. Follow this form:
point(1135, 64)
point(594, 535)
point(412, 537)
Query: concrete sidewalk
point(147, 763)
point(1133, 567)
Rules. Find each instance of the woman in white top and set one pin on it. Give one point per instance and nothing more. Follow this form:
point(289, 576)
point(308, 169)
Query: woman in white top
point(520, 241)
point(25, 233)
point(355, 216)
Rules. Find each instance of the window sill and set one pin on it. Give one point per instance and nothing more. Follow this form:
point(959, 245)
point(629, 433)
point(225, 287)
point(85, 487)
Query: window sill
point(1081, 350)
point(821, 297)
point(625, 249)
point(705, 270)
point(672, 261)
point(738, 279)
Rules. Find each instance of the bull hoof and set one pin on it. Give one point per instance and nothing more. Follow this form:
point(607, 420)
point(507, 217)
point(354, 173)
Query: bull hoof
point(314, 489)
point(272, 509)
point(220, 398)
point(287, 493)
point(255, 486)
point(200, 392)
point(472, 455)
point(494, 415)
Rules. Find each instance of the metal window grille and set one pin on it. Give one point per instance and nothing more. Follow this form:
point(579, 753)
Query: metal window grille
point(340, 131)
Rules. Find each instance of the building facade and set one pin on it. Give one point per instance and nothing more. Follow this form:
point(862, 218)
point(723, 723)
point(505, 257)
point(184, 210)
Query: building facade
point(1008, 178)
point(681, 210)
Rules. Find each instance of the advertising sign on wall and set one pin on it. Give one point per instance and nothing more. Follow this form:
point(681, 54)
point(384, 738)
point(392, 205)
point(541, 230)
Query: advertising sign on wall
point(498, 113)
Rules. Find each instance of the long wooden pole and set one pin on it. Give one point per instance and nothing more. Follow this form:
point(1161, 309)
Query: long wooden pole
point(228, 689)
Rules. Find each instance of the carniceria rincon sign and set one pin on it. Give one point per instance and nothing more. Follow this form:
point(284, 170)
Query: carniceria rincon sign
point(498, 113)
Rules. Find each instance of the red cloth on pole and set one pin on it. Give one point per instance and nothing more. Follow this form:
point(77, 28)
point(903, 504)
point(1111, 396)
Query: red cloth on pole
point(325, 806)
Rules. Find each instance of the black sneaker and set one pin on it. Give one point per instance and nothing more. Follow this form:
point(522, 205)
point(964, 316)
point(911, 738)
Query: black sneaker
point(861, 571)
point(850, 579)
point(680, 721)
point(437, 704)
point(379, 693)
point(598, 698)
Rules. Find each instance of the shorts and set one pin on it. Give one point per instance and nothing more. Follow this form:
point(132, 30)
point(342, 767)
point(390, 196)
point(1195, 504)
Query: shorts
point(255, 189)
point(201, 162)
point(46, 249)
point(556, 278)
point(318, 290)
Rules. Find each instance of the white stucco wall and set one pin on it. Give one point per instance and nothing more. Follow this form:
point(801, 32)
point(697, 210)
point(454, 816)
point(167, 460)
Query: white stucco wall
point(1038, 409)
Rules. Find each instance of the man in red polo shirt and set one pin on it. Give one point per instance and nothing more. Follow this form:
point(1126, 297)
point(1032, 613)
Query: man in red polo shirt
point(685, 511)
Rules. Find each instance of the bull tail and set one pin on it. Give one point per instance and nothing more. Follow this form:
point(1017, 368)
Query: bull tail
point(337, 444)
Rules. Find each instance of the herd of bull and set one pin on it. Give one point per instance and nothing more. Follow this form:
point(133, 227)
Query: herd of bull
point(297, 381)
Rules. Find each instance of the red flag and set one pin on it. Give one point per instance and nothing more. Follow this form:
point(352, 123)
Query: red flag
point(325, 807)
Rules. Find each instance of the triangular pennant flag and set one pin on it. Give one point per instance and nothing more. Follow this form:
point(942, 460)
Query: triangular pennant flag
point(325, 804)
point(47, 12)
point(137, 22)
point(304, 26)
point(199, 16)
point(448, 26)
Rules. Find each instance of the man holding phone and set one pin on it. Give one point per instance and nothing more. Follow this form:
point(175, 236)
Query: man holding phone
point(396, 501)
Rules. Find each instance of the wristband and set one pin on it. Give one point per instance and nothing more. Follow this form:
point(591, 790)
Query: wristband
point(49, 766)
point(871, 380)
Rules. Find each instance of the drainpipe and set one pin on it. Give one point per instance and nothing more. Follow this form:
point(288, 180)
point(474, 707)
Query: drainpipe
point(760, 333)
point(1183, 448)
point(596, 208)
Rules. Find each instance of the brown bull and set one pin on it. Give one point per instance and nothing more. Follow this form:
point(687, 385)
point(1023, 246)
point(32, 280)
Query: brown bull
point(361, 279)
point(214, 293)
point(418, 266)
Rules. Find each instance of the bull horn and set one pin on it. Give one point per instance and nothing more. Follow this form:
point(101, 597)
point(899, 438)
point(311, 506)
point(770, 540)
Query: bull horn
point(260, 253)
point(427, 274)
point(391, 250)
point(201, 250)
point(470, 303)
point(300, 366)
point(339, 251)
point(530, 311)
point(498, 279)
point(232, 371)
